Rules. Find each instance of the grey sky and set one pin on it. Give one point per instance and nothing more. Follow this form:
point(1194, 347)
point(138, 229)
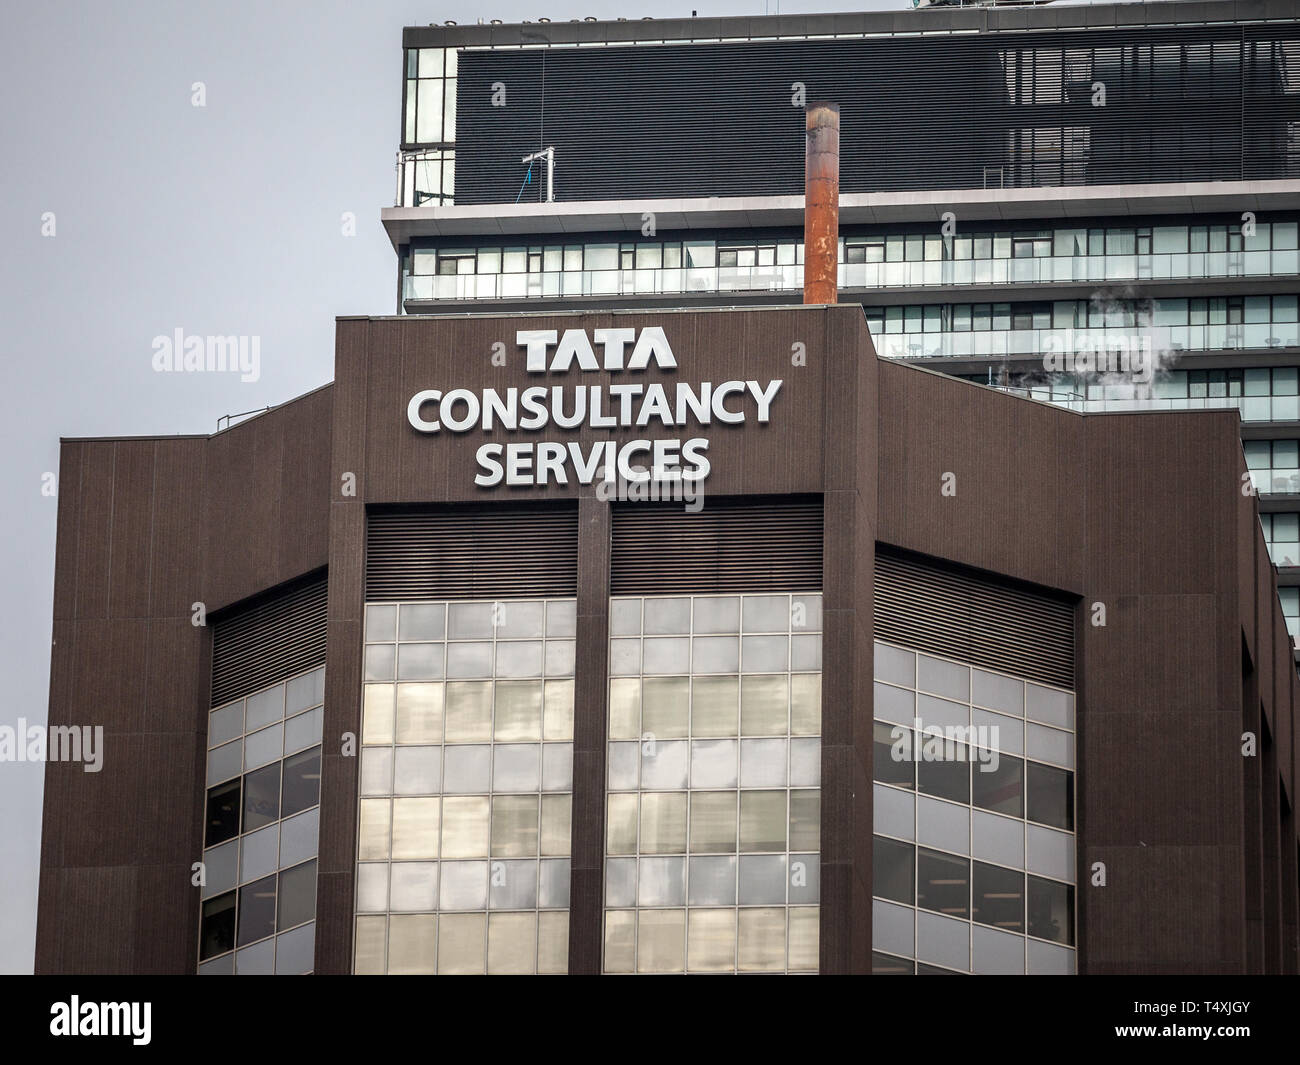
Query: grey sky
point(220, 220)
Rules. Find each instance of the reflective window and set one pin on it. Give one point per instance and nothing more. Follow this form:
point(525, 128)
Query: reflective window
point(261, 830)
point(466, 787)
point(973, 849)
point(713, 815)
point(869, 260)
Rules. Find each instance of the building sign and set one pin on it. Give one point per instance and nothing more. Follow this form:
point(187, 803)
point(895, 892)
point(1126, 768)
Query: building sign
point(673, 417)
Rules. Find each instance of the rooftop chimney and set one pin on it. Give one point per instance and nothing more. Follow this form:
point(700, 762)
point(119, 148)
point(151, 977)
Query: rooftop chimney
point(821, 218)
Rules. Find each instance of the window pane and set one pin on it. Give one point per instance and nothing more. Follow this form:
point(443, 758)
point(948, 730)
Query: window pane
point(998, 789)
point(942, 776)
point(297, 896)
point(764, 706)
point(893, 755)
point(942, 882)
point(663, 822)
point(1051, 910)
point(713, 821)
point(999, 897)
point(468, 711)
point(714, 706)
point(518, 711)
point(261, 797)
point(805, 820)
point(256, 910)
point(665, 707)
point(301, 781)
point(428, 115)
point(223, 813)
point(763, 821)
point(1049, 796)
point(217, 934)
point(892, 870)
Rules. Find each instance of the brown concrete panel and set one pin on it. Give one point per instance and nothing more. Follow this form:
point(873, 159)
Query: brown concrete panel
point(94, 493)
point(1018, 509)
point(131, 534)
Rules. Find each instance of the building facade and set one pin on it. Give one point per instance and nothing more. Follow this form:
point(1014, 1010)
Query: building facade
point(609, 614)
point(1092, 182)
point(457, 708)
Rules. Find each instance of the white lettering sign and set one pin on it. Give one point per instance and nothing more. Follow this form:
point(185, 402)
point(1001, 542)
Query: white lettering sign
point(631, 405)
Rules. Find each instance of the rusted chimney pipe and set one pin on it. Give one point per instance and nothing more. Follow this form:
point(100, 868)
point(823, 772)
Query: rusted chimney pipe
point(821, 217)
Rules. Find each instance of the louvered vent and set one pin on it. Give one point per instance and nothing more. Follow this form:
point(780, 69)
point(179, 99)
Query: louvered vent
point(743, 545)
point(472, 552)
point(277, 638)
point(963, 616)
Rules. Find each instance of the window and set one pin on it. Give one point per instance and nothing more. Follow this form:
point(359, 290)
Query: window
point(975, 875)
point(998, 896)
point(259, 895)
point(942, 883)
point(892, 872)
point(465, 787)
point(430, 105)
point(1049, 796)
point(713, 802)
point(1282, 535)
point(1290, 597)
point(1051, 910)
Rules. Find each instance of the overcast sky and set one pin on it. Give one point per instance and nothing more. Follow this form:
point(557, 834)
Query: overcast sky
point(218, 220)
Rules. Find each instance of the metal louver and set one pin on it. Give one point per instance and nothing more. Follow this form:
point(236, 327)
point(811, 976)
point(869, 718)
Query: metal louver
point(971, 618)
point(752, 544)
point(472, 552)
point(277, 638)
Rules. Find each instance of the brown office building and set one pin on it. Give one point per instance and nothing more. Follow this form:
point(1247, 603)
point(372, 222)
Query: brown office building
point(879, 671)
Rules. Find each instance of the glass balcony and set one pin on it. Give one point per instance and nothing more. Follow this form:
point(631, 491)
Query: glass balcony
point(993, 343)
point(1064, 269)
point(853, 276)
point(1276, 482)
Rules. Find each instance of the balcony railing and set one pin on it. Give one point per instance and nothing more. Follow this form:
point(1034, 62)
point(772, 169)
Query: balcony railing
point(1089, 269)
point(1252, 408)
point(992, 343)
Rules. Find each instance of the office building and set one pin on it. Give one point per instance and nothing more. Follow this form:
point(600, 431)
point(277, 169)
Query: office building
point(608, 613)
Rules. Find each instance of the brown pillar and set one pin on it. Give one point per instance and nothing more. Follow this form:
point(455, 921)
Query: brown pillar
point(821, 223)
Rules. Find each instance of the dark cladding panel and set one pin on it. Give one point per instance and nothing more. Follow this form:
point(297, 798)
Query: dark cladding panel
point(974, 619)
point(988, 110)
point(731, 545)
point(270, 641)
point(472, 552)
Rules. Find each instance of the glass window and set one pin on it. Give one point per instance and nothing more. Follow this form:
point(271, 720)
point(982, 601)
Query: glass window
point(945, 775)
point(893, 755)
point(217, 926)
point(1049, 796)
point(223, 809)
point(297, 896)
point(1051, 910)
point(999, 789)
point(998, 896)
point(301, 781)
point(762, 821)
point(705, 792)
point(256, 910)
point(892, 870)
point(261, 797)
point(942, 882)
